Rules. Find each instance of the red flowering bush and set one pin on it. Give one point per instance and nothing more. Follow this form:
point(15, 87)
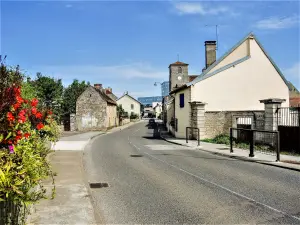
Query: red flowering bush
point(25, 127)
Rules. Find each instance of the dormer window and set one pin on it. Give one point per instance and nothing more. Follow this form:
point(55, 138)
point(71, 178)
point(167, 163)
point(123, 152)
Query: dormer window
point(179, 69)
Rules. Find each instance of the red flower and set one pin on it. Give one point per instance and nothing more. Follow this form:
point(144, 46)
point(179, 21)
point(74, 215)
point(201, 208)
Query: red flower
point(33, 110)
point(10, 116)
point(9, 142)
point(17, 90)
point(38, 115)
point(18, 137)
point(19, 99)
point(25, 101)
point(34, 102)
point(19, 132)
point(40, 126)
point(16, 106)
point(26, 135)
point(50, 112)
point(22, 116)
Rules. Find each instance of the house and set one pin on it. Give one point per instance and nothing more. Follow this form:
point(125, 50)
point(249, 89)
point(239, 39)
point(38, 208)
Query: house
point(95, 110)
point(130, 104)
point(234, 83)
point(157, 109)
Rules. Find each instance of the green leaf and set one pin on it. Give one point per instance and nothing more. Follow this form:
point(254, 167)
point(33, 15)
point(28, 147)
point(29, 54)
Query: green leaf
point(8, 136)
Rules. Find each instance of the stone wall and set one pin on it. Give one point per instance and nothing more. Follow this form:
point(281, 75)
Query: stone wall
point(219, 122)
point(90, 111)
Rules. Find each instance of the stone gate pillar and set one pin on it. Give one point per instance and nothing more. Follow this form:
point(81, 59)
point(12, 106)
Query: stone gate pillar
point(271, 106)
point(72, 122)
point(197, 118)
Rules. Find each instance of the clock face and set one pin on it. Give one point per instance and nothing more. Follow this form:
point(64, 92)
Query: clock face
point(179, 77)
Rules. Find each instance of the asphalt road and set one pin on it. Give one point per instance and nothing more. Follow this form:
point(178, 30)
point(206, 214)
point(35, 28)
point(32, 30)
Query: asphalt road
point(153, 181)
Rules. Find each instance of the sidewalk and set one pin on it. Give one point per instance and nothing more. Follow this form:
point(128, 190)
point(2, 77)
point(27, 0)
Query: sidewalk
point(71, 204)
point(75, 142)
point(242, 154)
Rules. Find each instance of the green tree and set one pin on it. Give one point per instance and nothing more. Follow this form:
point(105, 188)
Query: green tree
point(71, 93)
point(28, 89)
point(49, 92)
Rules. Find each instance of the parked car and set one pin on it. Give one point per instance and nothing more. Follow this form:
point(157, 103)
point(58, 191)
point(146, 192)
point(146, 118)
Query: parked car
point(152, 121)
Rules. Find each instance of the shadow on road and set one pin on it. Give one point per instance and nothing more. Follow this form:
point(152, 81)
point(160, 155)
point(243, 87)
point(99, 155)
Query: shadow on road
point(136, 156)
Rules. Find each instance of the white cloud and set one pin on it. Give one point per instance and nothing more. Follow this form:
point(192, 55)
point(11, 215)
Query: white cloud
point(68, 6)
point(198, 8)
point(97, 72)
point(277, 22)
point(293, 71)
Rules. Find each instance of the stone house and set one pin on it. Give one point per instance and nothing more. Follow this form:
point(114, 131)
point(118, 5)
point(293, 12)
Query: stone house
point(229, 87)
point(95, 110)
point(130, 104)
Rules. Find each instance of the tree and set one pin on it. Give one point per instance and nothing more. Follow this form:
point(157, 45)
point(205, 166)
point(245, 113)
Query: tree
point(49, 91)
point(71, 93)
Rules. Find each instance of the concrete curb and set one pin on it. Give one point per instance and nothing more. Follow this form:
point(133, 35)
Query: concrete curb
point(238, 157)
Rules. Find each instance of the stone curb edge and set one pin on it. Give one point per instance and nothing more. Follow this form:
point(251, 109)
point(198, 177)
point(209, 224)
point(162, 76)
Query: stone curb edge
point(236, 157)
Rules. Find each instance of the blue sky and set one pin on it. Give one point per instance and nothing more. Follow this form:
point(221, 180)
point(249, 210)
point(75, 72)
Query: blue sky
point(128, 45)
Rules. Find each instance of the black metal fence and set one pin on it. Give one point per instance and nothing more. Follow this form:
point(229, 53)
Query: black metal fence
point(288, 122)
point(256, 141)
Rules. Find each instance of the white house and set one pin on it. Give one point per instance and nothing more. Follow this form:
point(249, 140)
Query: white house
point(157, 109)
point(235, 82)
point(130, 104)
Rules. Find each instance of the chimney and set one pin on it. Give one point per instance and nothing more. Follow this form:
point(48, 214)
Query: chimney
point(210, 53)
point(98, 86)
point(109, 89)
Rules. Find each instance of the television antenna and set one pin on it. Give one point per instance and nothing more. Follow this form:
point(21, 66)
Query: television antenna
point(217, 25)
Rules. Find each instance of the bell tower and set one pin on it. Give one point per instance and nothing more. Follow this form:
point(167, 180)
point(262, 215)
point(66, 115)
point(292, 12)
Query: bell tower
point(178, 74)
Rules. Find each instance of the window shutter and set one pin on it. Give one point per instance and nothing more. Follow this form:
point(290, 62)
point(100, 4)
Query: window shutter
point(181, 100)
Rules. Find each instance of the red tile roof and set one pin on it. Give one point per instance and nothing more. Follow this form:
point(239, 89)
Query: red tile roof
point(179, 64)
point(295, 101)
point(192, 77)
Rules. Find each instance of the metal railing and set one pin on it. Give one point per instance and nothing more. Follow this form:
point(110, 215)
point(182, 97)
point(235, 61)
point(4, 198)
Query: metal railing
point(259, 140)
point(192, 128)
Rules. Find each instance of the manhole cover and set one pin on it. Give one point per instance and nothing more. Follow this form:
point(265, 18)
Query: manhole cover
point(136, 156)
point(98, 185)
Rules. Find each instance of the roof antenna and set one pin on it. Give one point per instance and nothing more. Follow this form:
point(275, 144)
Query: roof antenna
point(217, 35)
point(178, 57)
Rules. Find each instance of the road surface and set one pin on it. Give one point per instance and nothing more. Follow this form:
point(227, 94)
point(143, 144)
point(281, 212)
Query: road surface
point(153, 181)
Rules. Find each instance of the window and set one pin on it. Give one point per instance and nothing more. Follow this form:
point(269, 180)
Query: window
point(181, 100)
point(179, 69)
point(132, 106)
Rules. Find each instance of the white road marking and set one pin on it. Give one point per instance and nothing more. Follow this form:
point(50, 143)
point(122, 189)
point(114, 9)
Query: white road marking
point(219, 186)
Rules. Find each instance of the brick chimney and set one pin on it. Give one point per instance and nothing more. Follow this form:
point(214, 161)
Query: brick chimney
point(210, 53)
point(98, 86)
point(109, 89)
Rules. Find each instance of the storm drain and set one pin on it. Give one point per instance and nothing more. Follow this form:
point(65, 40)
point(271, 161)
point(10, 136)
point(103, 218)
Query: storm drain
point(98, 185)
point(136, 156)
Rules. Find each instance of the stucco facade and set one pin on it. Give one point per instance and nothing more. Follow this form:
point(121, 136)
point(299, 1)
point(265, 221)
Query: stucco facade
point(129, 104)
point(240, 87)
point(182, 114)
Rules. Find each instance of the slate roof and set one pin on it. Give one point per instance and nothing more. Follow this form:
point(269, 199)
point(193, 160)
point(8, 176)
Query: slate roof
point(105, 96)
point(129, 97)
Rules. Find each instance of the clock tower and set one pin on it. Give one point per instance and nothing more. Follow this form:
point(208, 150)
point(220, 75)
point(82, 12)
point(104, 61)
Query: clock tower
point(178, 74)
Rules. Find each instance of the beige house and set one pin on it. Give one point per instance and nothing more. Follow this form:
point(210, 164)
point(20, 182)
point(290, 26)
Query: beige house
point(130, 104)
point(237, 81)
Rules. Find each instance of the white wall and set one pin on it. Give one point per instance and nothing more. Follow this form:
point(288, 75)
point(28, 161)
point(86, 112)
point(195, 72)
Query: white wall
point(126, 102)
point(241, 87)
point(182, 114)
